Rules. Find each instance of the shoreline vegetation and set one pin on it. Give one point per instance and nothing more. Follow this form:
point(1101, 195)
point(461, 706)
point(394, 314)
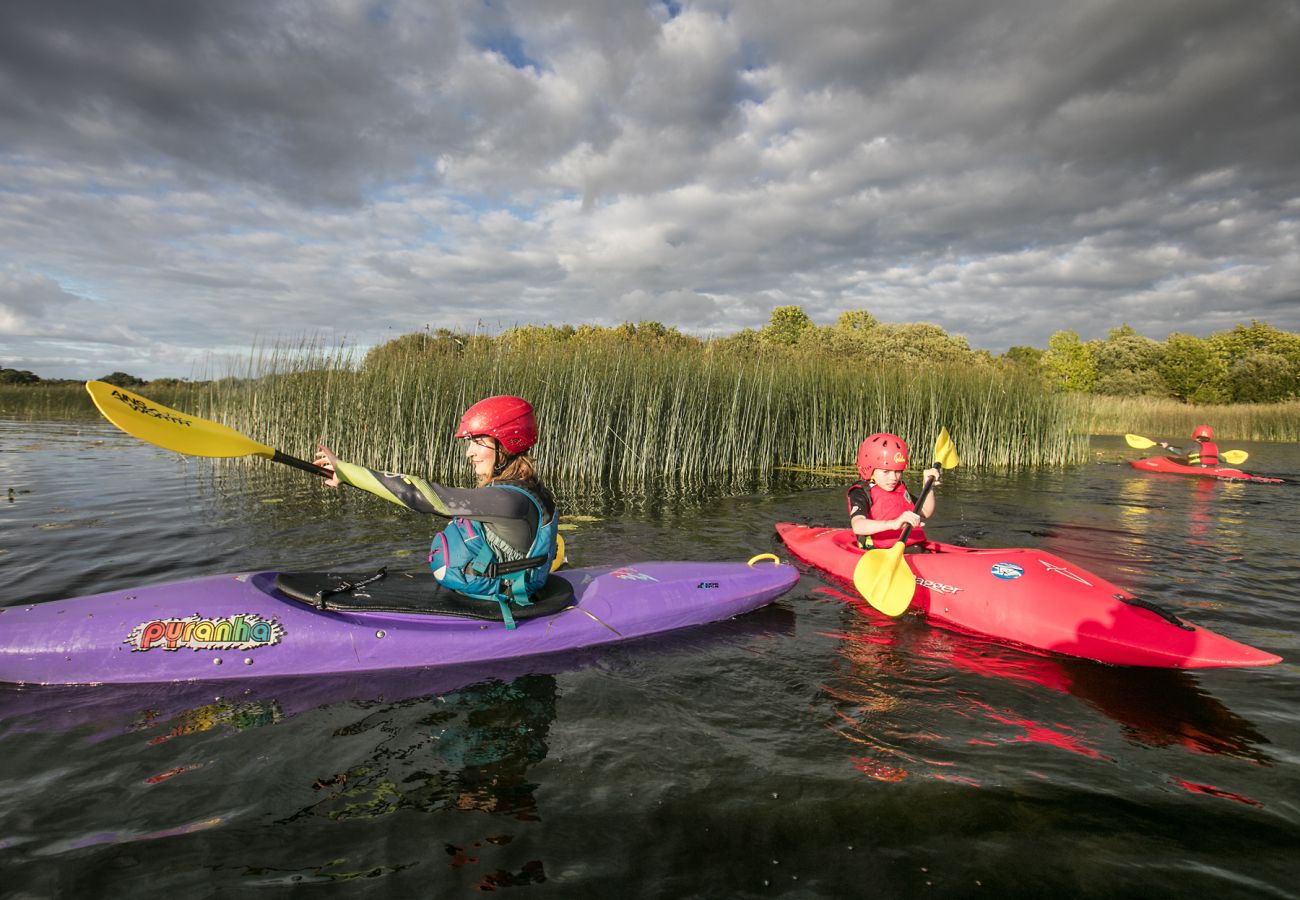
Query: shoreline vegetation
point(644, 408)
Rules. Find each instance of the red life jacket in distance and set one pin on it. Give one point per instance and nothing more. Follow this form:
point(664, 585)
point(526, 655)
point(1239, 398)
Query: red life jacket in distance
point(1204, 454)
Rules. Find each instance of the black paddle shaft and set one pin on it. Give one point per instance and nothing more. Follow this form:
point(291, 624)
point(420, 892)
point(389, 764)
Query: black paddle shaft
point(301, 464)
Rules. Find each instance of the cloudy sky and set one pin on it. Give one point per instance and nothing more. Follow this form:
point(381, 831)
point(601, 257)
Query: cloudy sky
point(182, 180)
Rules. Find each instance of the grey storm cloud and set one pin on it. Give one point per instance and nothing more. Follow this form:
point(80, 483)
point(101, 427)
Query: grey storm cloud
point(203, 174)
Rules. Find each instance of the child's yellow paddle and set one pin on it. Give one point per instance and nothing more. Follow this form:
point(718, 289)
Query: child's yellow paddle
point(883, 577)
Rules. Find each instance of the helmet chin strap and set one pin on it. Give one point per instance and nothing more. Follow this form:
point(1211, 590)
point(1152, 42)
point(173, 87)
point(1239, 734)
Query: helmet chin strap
point(502, 460)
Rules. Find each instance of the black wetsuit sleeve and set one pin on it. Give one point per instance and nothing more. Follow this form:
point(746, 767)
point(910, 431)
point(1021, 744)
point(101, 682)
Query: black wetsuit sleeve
point(859, 498)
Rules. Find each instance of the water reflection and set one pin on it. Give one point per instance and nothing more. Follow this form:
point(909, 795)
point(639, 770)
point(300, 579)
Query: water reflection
point(897, 677)
point(466, 750)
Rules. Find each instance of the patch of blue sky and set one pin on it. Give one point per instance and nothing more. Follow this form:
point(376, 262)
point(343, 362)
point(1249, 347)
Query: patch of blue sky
point(481, 204)
point(73, 285)
point(672, 9)
point(99, 189)
point(508, 46)
point(432, 235)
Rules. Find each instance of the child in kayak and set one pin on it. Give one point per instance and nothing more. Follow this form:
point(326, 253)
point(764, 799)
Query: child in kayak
point(1205, 452)
point(879, 503)
point(501, 540)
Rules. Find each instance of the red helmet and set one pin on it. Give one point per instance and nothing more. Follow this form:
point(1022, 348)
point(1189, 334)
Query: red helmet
point(1203, 433)
point(508, 419)
point(882, 451)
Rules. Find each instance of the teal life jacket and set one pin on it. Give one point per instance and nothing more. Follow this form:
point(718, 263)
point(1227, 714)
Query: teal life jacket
point(471, 559)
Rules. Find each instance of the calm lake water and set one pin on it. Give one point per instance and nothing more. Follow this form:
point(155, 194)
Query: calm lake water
point(805, 750)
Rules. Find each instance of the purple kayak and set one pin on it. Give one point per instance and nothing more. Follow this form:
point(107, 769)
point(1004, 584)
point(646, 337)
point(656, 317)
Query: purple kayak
point(267, 625)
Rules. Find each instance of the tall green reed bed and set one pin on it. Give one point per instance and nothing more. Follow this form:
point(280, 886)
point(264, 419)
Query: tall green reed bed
point(53, 402)
point(616, 418)
point(1173, 421)
point(644, 420)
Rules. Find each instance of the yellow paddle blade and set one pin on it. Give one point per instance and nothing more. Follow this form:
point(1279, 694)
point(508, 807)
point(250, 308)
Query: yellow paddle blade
point(169, 428)
point(1137, 442)
point(561, 555)
point(885, 581)
point(945, 451)
point(1234, 457)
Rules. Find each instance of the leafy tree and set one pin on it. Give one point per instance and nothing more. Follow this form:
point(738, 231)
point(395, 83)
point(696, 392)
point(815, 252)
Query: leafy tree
point(1191, 370)
point(1130, 383)
point(1262, 377)
point(746, 342)
point(856, 320)
point(652, 334)
point(18, 376)
point(538, 337)
point(919, 342)
point(786, 326)
point(123, 380)
point(1255, 337)
point(441, 342)
point(1125, 349)
point(1126, 364)
point(1068, 364)
point(1023, 357)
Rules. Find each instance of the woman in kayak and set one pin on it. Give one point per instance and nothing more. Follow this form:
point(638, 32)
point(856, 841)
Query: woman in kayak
point(1205, 452)
point(879, 503)
point(501, 540)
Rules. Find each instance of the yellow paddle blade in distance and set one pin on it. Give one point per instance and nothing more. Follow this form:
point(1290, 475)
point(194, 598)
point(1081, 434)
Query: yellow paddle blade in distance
point(169, 428)
point(885, 580)
point(1137, 442)
point(945, 451)
point(1234, 457)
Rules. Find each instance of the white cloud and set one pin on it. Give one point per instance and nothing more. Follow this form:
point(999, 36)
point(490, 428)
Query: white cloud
point(198, 179)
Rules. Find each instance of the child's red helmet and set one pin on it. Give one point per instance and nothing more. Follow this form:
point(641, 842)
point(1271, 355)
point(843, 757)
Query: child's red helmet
point(508, 419)
point(882, 451)
point(1203, 433)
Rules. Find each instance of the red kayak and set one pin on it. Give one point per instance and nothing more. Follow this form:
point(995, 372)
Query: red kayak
point(1172, 466)
point(1032, 598)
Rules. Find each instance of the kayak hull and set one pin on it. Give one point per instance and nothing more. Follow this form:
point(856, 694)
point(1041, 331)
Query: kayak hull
point(1170, 466)
point(241, 626)
point(1035, 599)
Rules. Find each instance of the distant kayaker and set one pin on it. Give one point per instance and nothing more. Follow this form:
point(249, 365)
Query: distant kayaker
point(879, 504)
point(501, 540)
point(1205, 452)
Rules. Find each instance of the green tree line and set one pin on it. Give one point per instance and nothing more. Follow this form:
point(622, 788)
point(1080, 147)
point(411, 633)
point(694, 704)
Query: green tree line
point(1253, 363)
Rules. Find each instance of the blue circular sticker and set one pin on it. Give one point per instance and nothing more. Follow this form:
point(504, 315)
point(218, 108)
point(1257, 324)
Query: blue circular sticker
point(1007, 571)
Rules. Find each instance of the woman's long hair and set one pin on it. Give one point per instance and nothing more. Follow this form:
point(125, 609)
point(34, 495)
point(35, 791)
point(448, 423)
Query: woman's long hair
point(518, 468)
point(511, 468)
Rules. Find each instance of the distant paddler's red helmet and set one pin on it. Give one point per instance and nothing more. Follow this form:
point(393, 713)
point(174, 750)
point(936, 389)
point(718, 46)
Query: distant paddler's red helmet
point(882, 451)
point(507, 418)
point(1203, 433)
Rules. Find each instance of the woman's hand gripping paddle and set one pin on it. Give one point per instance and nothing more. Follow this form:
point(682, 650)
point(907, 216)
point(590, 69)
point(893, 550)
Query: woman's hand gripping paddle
point(883, 577)
point(180, 432)
point(1137, 442)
